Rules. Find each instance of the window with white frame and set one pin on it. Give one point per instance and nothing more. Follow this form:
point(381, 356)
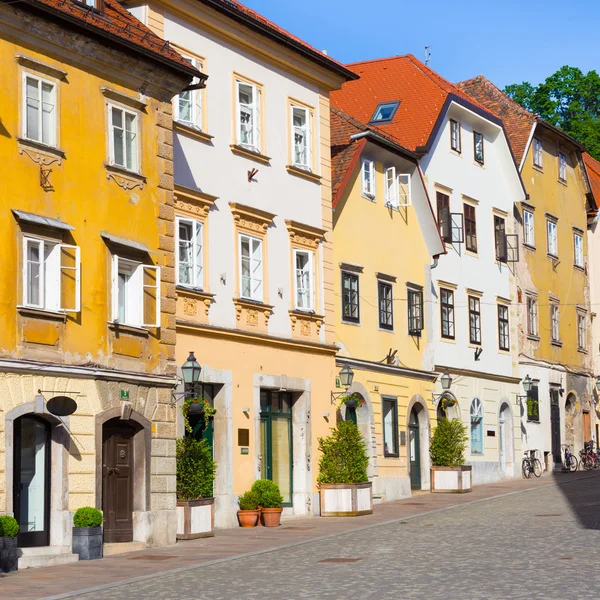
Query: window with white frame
point(391, 189)
point(188, 104)
point(301, 155)
point(368, 178)
point(578, 243)
point(532, 316)
point(39, 110)
point(476, 426)
point(538, 155)
point(251, 268)
point(581, 337)
point(404, 197)
point(562, 167)
point(51, 275)
point(304, 280)
point(135, 293)
point(123, 138)
point(503, 328)
point(189, 253)
point(552, 239)
point(248, 115)
point(554, 323)
point(528, 230)
point(454, 135)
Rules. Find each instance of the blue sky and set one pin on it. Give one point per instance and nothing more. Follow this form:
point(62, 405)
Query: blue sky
point(508, 41)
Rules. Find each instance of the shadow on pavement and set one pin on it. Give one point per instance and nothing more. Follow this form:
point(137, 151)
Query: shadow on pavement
point(582, 492)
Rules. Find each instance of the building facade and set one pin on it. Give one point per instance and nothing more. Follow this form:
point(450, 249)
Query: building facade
point(87, 341)
point(254, 248)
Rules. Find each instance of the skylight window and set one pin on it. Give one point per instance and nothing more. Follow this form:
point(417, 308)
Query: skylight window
point(384, 113)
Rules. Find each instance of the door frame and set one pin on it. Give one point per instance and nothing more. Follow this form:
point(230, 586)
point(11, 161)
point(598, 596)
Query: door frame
point(418, 403)
point(416, 485)
point(555, 431)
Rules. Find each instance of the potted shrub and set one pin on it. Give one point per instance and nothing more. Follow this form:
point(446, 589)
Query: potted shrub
point(270, 500)
point(344, 488)
point(87, 533)
point(9, 528)
point(354, 400)
point(195, 476)
point(448, 444)
point(195, 406)
point(248, 513)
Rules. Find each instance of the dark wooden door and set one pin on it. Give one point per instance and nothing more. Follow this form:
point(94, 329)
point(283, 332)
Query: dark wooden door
point(555, 425)
point(414, 450)
point(587, 427)
point(117, 483)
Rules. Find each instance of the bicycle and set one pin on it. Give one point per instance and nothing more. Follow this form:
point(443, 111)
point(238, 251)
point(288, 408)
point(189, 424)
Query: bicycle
point(570, 462)
point(531, 464)
point(588, 457)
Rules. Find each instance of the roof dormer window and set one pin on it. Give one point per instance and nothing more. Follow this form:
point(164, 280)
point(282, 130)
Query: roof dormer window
point(384, 113)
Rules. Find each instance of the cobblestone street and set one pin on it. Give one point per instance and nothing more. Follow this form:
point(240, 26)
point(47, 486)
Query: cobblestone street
point(536, 543)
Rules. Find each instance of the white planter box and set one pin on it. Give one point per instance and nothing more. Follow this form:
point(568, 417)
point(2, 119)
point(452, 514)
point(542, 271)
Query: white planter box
point(346, 499)
point(455, 480)
point(195, 519)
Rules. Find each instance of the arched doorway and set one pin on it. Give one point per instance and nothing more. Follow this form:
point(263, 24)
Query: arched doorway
point(506, 450)
point(417, 423)
point(31, 483)
point(414, 449)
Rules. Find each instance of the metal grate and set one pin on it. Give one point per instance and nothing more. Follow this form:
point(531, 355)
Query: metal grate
point(340, 560)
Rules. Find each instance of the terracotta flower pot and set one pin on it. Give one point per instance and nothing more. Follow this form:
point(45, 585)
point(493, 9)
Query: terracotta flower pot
point(271, 517)
point(248, 518)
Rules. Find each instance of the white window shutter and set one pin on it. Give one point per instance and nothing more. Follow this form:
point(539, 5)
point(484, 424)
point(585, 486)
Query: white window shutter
point(404, 198)
point(309, 121)
point(256, 97)
point(363, 170)
point(238, 120)
point(391, 192)
point(115, 288)
point(151, 295)
point(198, 98)
point(69, 278)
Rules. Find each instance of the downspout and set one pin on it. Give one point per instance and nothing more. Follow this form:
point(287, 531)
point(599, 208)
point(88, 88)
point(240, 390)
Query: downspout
point(435, 262)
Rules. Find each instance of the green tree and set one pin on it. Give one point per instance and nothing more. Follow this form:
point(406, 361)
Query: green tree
point(568, 99)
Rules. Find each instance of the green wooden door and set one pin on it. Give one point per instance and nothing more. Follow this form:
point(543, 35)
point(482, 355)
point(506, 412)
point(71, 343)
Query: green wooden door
point(414, 451)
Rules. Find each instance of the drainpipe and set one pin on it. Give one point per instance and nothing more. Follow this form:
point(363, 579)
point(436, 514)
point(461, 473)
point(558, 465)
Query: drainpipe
point(435, 262)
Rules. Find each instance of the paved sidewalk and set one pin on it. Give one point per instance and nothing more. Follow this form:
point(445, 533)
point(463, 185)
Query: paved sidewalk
point(234, 543)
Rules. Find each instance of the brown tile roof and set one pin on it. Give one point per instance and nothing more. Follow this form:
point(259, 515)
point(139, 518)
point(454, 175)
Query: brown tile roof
point(518, 121)
point(422, 94)
point(592, 167)
point(118, 25)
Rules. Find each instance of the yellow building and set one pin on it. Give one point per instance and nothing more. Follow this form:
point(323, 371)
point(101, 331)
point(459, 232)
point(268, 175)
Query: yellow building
point(385, 239)
point(87, 302)
point(552, 278)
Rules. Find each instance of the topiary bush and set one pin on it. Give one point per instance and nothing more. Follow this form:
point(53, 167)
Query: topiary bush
point(249, 500)
point(448, 443)
point(195, 469)
point(344, 455)
point(268, 493)
point(87, 517)
point(9, 526)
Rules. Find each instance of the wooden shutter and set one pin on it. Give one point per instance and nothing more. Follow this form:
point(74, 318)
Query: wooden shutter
point(69, 278)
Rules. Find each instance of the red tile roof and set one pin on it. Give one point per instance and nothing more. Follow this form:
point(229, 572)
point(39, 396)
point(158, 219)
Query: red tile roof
point(422, 94)
point(593, 170)
point(117, 24)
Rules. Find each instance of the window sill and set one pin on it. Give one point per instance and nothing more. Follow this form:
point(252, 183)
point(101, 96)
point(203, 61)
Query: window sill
point(348, 322)
point(130, 329)
point(552, 256)
point(391, 456)
point(555, 343)
point(42, 313)
point(533, 338)
point(562, 181)
point(456, 153)
point(193, 291)
point(582, 350)
point(415, 334)
point(193, 132)
point(538, 168)
point(306, 313)
point(385, 329)
point(578, 268)
point(536, 422)
point(251, 154)
point(303, 173)
point(122, 171)
point(479, 164)
point(471, 253)
point(40, 147)
point(529, 247)
point(249, 303)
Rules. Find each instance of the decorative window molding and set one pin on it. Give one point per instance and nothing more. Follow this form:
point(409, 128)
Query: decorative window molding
point(41, 67)
point(351, 268)
point(250, 219)
point(304, 235)
point(193, 202)
point(384, 277)
point(121, 98)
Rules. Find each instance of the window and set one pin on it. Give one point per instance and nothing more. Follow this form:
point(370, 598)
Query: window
point(188, 105)
point(386, 305)
point(350, 306)
point(474, 320)
point(415, 312)
point(581, 332)
point(390, 426)
point(123, 138)
point(135, 293)
point(51, 275)
point(368, 178)
point(503, 334)
point(385, 112)
point(533, 404)
point(552, 239)
point(447, 313)
point(578, 242)
point(562, 167)
point(478, 147)
point(554, 323)
point(304, 281)
point(538, 155)
point(404, 198)
point(455, 135)
point(39, 110)
point(528, 231)
point(248, 115)
point(391, 189)
point(251, 269)
point(301, 155)
point(443, 215)
point(532, 316)
point(476, 426)
point(500, 239)
point(470, 228)
point(189, 253)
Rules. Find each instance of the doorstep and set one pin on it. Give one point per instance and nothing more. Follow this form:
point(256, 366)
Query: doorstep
point(122, 547)
point(45, 556)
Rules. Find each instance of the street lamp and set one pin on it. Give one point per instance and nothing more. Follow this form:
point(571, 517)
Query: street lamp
point(528, 384)
point(191, 370)
point(346, 376)
point(446, 380)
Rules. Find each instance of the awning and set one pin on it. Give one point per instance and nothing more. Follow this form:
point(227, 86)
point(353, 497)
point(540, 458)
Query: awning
point(43, 221)
point(119, 241)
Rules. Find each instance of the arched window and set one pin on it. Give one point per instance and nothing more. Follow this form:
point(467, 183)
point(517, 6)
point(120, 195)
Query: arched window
point(476, 426)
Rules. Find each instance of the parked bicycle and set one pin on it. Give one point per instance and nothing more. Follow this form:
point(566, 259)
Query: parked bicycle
point(570, 462)
point(588, 458)
point(531, 464)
